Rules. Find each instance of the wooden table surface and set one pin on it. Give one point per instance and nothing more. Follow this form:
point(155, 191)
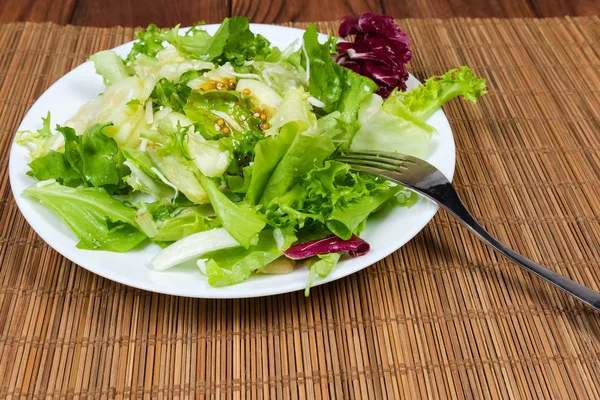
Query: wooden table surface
point(169, 12)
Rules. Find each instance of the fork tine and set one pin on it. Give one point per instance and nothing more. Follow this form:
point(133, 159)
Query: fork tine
point(391, 160)
point(372, 163)
point(369, 167)
point(406, 170)
point(387, 161)
point(395, 157)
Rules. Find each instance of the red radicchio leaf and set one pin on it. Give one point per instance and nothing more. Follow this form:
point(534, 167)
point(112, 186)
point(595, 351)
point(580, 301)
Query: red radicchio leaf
point(380, 50)
point(355, 246)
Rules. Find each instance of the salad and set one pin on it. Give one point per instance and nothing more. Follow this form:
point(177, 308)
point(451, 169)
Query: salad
point(221, 148)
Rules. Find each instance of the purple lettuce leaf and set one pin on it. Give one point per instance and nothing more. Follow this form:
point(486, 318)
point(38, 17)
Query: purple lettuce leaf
point(380, 50)
point(354, 246)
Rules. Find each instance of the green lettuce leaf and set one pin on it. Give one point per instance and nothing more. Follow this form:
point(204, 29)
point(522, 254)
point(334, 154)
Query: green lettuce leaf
point(233, 42)
point(211, 157)
point(109, 66)
point(165, 223)
point(231, 266)
point(241, 44)
point(195, 43)
point(292, 210)
point(325, 82)
point(437, 91)
point(150, 42)
point(282, 75)
point(346, 219)
point(112, 106)
point(387, 132)
point(143, 177)
point(54, 166)
point(334, 196)
point(45, 131)
point(241, 221)
point(321, 266)
point(92, 159)
point(180, 174)
point(294, 108)
point(102, 162)
point(355, 88)
point(100, 221)
point(268, 155)
point(338, 88)
point(203, 109)
point(72, 142)
point(332, 125)
point(40, 142)
point(263, 96)
point(171, 135)
point(171, 95)
point(304, 154)
point(184, 224)
point(344, 199)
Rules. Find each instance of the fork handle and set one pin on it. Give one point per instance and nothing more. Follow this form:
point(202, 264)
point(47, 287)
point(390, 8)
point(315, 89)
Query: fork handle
point(447, 197)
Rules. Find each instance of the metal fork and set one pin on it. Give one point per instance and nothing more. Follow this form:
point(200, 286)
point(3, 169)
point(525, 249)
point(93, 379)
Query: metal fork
point(423, 178)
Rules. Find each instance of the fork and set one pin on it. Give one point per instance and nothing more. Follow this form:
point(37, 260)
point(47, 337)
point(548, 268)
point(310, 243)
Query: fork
point(423, 178)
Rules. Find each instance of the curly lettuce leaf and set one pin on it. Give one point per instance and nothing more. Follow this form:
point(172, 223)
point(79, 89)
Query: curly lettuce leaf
point(236, 110)
point(92, 159)
point(241, 44)
point(195, 43)
point(72, 142)
point(170, 94)
point(437, 91)
point(40, 142)
point(346, 219)
point(100, 221)
point(45, 131)
point(333, 126)
point(101, 159)
point(150, 42)
point(171, 134)
point(334, 196)
point(233, 42)
point(349, 197)
point(54, 166)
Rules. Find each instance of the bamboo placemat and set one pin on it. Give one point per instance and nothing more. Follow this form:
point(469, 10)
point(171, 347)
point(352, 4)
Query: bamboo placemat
point(443, 317)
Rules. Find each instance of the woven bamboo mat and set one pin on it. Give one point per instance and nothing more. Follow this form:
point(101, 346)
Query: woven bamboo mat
point(443, 317)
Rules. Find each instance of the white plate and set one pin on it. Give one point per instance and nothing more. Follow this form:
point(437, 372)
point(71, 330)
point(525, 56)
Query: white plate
point(385, 234)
